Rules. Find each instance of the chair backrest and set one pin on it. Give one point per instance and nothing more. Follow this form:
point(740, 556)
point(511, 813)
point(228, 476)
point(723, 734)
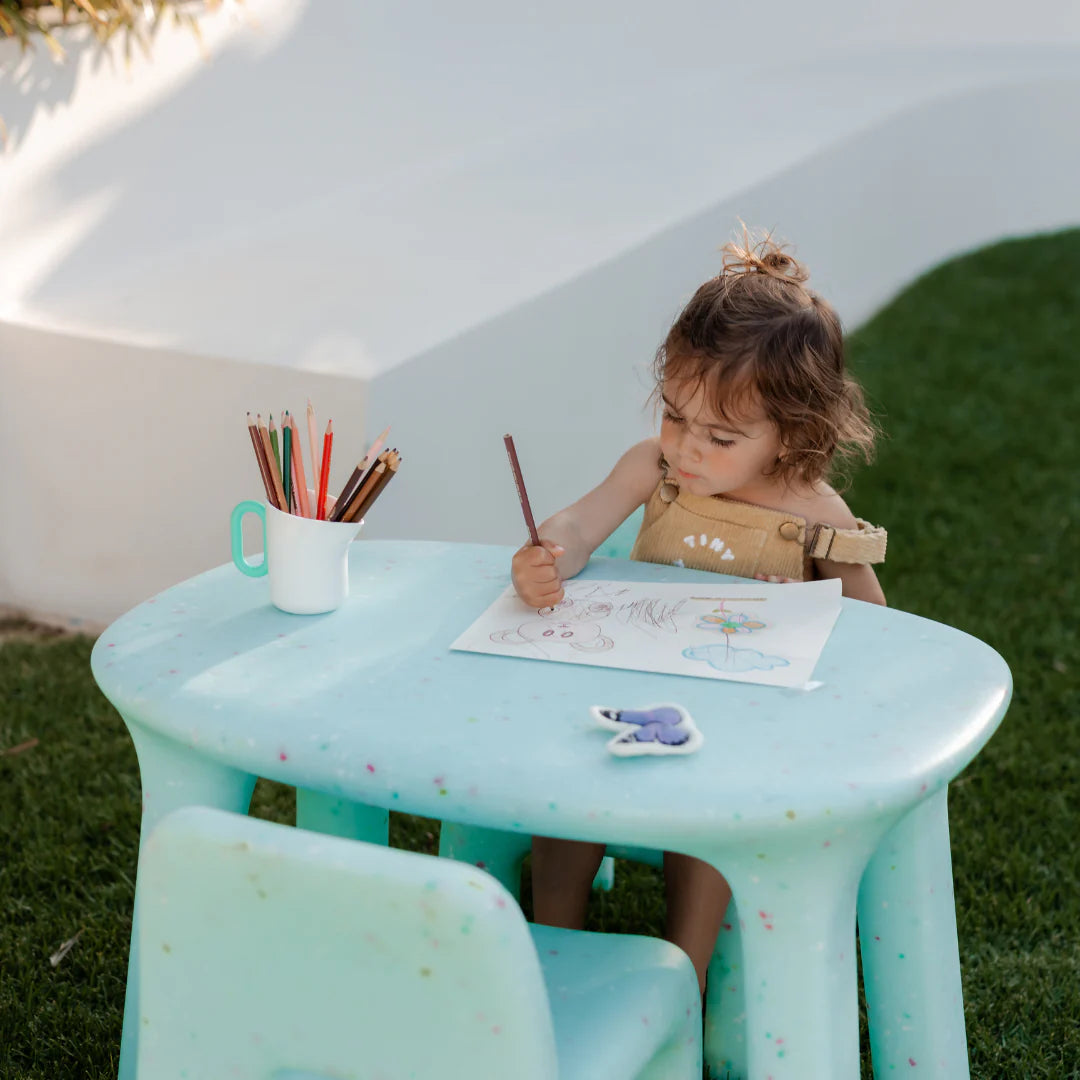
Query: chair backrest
point(266, 949)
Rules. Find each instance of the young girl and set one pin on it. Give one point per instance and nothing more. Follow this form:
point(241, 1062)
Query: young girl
point(756, 406)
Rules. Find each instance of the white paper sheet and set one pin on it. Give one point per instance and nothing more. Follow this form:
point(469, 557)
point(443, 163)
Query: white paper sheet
point(769, 634)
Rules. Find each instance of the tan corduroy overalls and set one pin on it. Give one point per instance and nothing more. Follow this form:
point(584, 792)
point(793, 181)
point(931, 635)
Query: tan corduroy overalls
point(709, 532)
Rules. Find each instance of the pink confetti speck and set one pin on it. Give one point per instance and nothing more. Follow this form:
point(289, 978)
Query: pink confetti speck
point(854, 787)
point(283, 756)
point(370, 768)
point(500, 902)
point(923, 788)
point(439, 781)
point(553, 952)
point(828, 843)
point(481, 864)
point(727, 926)
point(645, 1021)
point(173, 671)
point(779, 1042)
point(876, 938)
point(111, 645)
point(496, 1029)
point(911, 1061)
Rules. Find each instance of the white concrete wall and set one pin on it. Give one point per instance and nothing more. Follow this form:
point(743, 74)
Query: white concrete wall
point(469, 221)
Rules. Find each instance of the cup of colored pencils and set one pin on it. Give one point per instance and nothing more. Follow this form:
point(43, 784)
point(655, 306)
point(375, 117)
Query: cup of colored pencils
point(306, 533)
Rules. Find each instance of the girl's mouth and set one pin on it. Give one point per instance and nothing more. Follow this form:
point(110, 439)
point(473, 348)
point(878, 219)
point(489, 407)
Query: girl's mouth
point(687, 475)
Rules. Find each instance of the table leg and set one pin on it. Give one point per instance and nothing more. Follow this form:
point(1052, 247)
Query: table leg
point(172, 776)
point(499, 853)
point(796, 904)
point(330, 814)
point(911, 961)
point(725, 1008)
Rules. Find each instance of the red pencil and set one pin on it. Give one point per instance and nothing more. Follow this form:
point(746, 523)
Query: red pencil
point(324, 471)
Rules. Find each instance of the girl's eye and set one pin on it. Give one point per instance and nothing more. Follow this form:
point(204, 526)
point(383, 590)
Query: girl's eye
point(721, 442)
point(672, 418)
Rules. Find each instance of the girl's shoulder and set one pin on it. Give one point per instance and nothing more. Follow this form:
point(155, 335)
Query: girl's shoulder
point(819, 505)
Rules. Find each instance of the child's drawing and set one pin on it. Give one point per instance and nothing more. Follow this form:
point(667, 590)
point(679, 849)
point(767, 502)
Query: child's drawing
point(721, 655)
point(669, 628)
point(565, 625)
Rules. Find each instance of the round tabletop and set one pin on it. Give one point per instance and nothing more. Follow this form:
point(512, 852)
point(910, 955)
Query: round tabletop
point(369, 703)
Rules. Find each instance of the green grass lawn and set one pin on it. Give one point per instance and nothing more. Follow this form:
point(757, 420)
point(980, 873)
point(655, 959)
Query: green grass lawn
point(973, 372)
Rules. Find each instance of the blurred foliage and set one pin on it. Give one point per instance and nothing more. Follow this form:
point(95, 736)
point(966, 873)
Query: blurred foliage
point(138, 20)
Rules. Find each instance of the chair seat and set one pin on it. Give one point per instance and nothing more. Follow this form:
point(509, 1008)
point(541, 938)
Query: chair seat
point(615, 999)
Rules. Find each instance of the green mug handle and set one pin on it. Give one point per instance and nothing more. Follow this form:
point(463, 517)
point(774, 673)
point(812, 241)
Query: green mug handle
point(248, 506)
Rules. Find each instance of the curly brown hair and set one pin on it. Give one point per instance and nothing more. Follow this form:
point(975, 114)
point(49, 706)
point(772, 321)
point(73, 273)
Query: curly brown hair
point(754, 335)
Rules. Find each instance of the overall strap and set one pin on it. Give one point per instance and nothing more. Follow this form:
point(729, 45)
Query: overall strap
point(863, 544)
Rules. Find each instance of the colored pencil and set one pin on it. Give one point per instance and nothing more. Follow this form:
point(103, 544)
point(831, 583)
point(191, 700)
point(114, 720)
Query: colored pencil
point(286, 462)
point(313, 445)
point(374, 448)
point(348, 505)
point(523, 496)
point(275, 444)
point(357, 477)
point(271, 464)
point(352, 486)
point(391, 471)
point(264, 472)
point(300, 479)
point(324, 469)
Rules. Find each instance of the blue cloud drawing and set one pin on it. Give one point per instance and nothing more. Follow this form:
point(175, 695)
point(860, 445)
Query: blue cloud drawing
point(724, 658)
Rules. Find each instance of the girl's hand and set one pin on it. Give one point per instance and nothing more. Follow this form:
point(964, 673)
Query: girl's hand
point(774, 579)
point(535, 576)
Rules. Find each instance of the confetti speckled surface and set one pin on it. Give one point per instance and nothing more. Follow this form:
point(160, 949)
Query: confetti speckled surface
point(368, 704)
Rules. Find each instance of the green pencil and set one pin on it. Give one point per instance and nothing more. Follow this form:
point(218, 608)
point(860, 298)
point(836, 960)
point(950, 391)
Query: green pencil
point(286, 461)
point(274, 444)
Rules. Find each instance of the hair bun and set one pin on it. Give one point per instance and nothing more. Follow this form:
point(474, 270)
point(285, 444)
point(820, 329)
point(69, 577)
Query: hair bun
point(763, 256)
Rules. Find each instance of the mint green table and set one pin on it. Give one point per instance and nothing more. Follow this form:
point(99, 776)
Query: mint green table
point(796, 797)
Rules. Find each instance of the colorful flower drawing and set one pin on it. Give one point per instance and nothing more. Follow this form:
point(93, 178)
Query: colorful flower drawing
point(728, 623)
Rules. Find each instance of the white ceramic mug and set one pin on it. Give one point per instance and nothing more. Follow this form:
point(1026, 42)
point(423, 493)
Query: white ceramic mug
point(307, 560)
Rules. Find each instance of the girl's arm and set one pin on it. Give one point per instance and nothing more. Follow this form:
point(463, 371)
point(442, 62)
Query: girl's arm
point(858, 580)
point(579, 529)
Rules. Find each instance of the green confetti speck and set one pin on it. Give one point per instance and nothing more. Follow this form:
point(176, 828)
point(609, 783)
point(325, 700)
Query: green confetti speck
point(789, 814)
point(900, 955)
point(442, 791)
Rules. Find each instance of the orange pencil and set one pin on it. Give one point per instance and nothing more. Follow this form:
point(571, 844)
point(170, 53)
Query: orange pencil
point(300, 480)
point(324, 469)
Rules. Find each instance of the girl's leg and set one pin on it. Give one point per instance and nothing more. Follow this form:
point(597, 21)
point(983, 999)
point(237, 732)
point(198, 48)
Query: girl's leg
point(562, 876)
point(697, 897)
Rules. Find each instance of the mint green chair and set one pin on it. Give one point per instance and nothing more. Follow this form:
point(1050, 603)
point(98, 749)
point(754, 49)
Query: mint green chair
point(274, 953)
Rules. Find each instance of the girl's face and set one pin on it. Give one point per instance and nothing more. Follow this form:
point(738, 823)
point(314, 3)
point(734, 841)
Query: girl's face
point(707, 454)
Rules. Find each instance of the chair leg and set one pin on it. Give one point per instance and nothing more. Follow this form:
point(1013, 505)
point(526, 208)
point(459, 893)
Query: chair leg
point(172, 776)
point(910, 955)
point(499, 853)
point(318, 812)
point(725, 1008)
point(680, 1057)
